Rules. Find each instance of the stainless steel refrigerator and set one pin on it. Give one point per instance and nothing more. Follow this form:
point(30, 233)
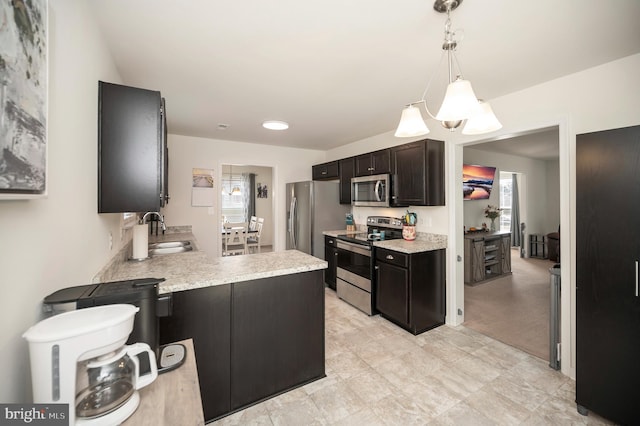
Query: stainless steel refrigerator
point(313, 207)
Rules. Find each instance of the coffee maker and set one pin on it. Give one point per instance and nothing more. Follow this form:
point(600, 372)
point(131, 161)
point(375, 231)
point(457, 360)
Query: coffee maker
point(80, 358)
point(140, 292)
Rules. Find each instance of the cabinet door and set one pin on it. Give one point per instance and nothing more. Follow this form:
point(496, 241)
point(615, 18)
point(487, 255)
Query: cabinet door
point(347, 171)
point(381, 161)
point(374, 163)
point(607, 252)
point(204, 316)
point(129, 149)
point(477, 260)
point(364, 167)
point(505, 253)
point(330, 255)
point(277, 338)
point(392, 297)
point(325, 171)
point(409, 175)
point(418, 173)
point(164, 175)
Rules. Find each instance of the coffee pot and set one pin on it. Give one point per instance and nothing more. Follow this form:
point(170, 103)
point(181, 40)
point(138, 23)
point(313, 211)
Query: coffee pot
point(80, 358)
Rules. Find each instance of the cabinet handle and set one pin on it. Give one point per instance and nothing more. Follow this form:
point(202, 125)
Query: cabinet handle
point(330, 241)
point(636, 278)
point(324, 173)
point(390, 257)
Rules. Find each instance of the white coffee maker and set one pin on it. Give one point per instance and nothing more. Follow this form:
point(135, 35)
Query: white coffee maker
point(80, 358)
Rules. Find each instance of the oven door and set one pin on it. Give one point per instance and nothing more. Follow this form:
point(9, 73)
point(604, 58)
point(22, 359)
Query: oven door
point(370, 191)
point(355, 259)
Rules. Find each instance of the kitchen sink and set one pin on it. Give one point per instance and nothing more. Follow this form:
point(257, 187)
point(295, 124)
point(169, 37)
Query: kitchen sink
point(169, 250)
point(170, 244)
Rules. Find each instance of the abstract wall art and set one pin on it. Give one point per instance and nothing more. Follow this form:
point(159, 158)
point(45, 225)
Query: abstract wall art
point(23, 99)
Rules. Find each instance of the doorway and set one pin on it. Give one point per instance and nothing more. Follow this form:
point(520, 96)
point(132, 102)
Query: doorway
point(515, 309)
point(246, 190)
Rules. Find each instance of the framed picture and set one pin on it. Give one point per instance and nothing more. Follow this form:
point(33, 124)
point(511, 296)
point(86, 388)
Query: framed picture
point(263, 191)
point(23, 99)
point(477, 181)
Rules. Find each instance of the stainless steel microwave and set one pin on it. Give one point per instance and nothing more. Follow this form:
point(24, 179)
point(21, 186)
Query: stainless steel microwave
point(370, 190)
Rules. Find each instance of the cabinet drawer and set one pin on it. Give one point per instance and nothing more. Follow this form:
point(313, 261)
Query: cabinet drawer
point(392, 257)
point(330, 241)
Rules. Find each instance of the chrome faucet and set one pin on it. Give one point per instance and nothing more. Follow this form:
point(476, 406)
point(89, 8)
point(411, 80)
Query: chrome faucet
point(144, 218)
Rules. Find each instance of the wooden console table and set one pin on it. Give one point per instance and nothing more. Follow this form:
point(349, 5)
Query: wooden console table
point(486, 256)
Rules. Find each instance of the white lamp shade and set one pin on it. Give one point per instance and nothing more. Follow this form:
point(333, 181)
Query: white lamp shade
point(460, 103)
point(483, 122)
point(411, 123)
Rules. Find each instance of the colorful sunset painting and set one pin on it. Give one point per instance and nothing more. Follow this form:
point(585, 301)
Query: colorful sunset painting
point(477, 181)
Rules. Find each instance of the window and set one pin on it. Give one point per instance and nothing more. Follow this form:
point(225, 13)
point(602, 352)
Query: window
point(233, 206)
point(506, 182)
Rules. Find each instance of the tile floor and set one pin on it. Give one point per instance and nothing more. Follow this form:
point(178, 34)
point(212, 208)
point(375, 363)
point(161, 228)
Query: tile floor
point(379, 374)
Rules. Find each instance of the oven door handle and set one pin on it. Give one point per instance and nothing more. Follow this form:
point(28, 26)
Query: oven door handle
point(356, 248)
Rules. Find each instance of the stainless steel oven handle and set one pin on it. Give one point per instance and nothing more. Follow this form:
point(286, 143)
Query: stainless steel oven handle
point(356, 248)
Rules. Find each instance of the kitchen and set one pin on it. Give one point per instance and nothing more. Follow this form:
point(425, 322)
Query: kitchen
point(60, 240)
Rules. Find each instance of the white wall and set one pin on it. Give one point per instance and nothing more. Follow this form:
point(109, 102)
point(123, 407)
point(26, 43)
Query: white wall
point(539, 203)
point(58, 241)
point(185, 153)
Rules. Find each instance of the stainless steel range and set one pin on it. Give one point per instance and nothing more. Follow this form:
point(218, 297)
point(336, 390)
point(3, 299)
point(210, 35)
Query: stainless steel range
point(355, 283)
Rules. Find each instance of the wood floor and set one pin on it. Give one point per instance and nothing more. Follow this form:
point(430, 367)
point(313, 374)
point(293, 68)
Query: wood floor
point(514, 309)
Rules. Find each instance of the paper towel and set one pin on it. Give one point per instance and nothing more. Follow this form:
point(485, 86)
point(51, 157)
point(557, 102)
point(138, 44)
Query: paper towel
point(141, 241)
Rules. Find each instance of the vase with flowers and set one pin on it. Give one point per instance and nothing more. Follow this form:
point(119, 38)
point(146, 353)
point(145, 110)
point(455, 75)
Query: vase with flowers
point(409, 226)
point(492, 212)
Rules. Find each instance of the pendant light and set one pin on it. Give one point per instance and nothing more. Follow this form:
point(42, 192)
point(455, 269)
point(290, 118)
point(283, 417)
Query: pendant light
point(236, 189)
point(460, 102)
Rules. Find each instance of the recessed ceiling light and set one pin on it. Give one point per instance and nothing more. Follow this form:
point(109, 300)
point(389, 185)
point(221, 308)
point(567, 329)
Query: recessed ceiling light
point(275, 125)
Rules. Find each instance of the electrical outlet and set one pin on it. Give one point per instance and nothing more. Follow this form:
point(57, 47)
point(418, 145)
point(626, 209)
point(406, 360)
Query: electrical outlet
point(110, 241)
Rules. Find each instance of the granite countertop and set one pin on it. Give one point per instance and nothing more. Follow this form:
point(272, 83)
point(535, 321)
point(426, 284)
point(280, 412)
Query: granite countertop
point(190, 270)
point(341, 232)
point(423, 242)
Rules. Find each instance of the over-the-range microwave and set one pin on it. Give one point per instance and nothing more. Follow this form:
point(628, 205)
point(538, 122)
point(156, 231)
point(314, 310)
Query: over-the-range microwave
point(371, 190)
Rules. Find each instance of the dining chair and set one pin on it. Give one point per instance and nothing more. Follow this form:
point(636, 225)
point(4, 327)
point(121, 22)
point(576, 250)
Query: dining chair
point(234, 238)
point(252, 223)
point(253, 240)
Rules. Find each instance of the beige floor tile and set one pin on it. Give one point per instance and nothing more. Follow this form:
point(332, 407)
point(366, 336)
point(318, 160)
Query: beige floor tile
point(379, 374)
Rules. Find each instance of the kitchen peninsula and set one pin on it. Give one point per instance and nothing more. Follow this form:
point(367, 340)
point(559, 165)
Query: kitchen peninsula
point(257, 321)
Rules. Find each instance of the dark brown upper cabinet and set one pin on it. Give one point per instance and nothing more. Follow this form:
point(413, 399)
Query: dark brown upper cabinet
point(347, 171)
point(418, 174)
point(325, 171)
point(132, 149)
point(374, 163)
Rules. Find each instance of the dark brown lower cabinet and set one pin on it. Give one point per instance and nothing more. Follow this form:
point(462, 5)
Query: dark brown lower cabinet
point(410, 288)
point(204, 315)
point(277, 339)
point(253, 339)
point(607, 259)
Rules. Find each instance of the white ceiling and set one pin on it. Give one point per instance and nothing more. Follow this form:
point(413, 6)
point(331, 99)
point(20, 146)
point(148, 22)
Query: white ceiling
point(339, 71)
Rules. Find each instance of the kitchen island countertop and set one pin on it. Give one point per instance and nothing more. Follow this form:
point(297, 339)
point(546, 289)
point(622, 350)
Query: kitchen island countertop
point(191, 270)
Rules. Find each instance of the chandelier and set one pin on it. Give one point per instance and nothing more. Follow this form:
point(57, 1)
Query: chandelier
point(460, 103)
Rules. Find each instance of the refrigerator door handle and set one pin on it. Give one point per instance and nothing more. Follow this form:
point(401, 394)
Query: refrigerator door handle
point(636, 278)
point(294, 219)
